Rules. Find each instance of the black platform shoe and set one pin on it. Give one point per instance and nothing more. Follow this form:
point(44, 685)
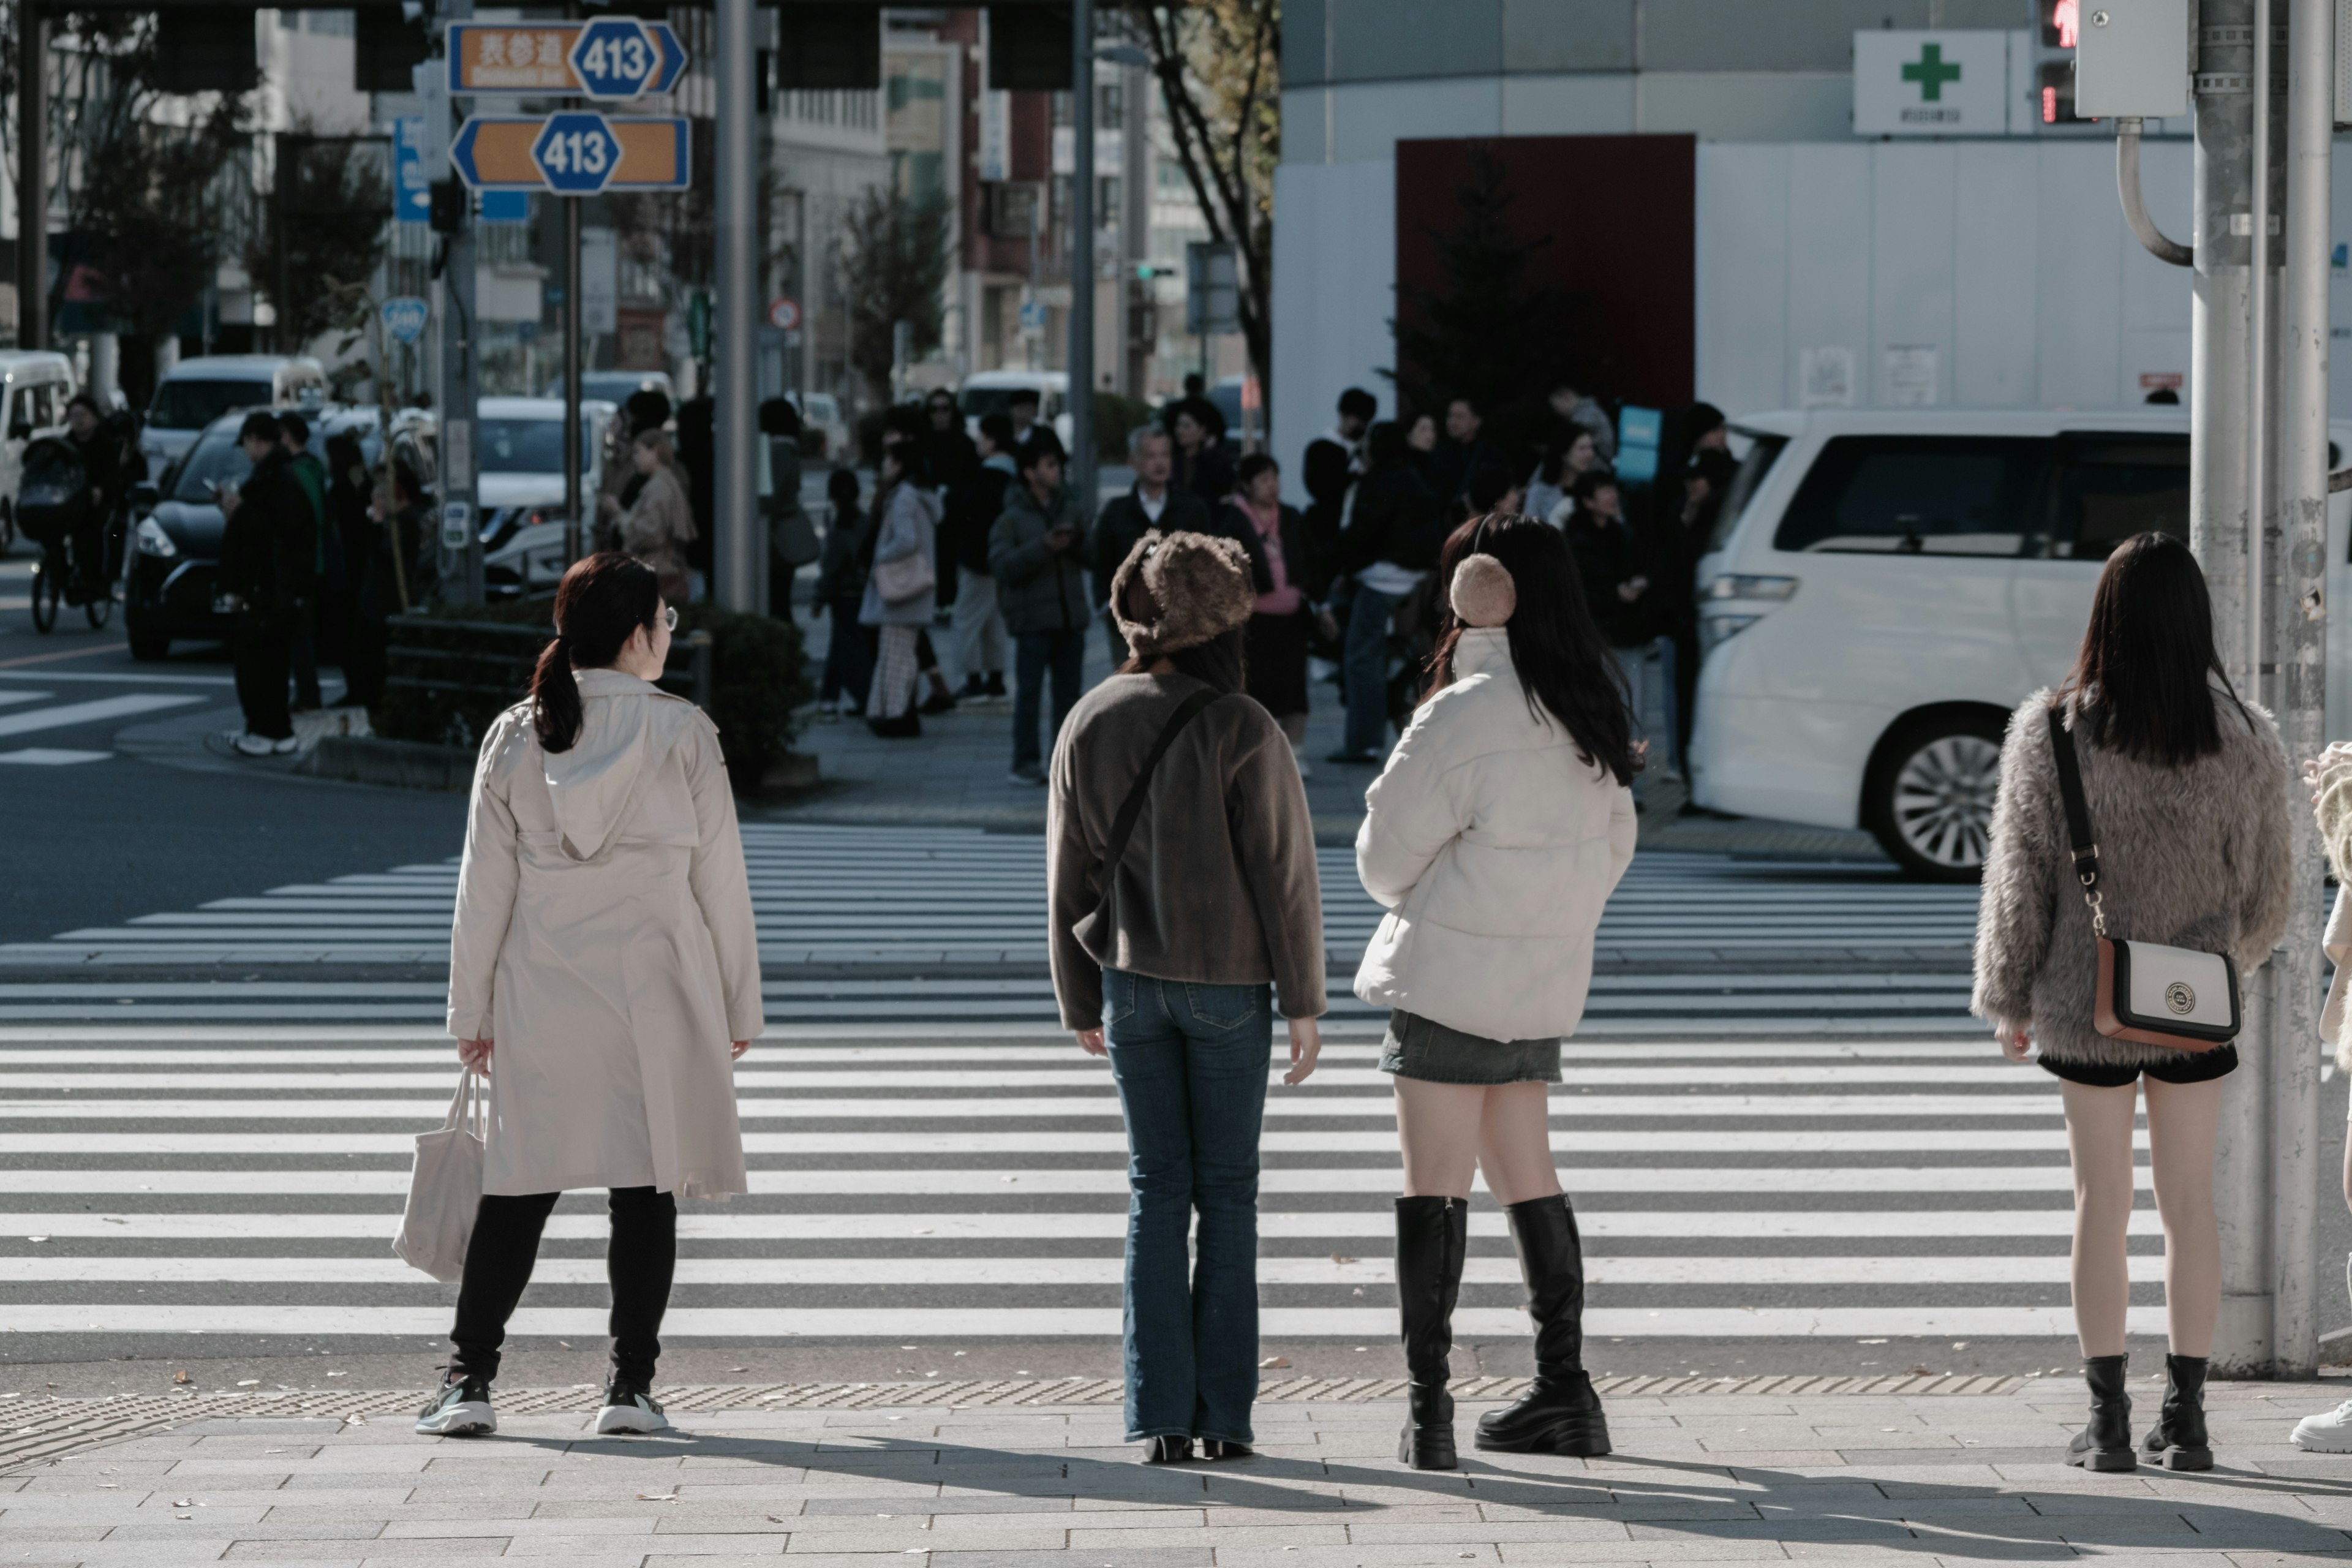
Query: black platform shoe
point(2179, 1440)
point(1432, 1236)
point(2105, 1443)
point(1167, 1450)
point(1559, 1413)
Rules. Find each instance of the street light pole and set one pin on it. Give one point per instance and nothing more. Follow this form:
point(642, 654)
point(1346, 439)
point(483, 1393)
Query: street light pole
point(2297, 654)
point(739, 551)
point(1081, 356)
point(32, 178)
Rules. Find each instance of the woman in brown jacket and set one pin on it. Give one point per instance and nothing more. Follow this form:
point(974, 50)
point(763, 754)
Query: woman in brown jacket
point(1181, 872)
point(659, 524)
point(2187, 792)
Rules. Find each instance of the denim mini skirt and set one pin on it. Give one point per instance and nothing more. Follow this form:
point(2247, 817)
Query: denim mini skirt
point(1419, 1048)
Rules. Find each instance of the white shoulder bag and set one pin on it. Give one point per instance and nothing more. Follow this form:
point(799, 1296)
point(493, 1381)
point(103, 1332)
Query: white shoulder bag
point(446, 1187)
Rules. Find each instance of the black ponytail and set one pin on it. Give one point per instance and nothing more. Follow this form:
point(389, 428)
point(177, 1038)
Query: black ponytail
point(599, 606)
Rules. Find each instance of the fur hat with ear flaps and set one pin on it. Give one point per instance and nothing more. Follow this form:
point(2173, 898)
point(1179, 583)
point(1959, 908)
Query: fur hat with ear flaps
point(1179, 590)
point(1483, 593)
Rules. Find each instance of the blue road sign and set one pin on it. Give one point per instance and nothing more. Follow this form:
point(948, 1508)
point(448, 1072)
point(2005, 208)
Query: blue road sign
point(576, 153)
point(504, 206)
point(614, 56)
point(412, 195)
point(404, 318)
point(673, 57)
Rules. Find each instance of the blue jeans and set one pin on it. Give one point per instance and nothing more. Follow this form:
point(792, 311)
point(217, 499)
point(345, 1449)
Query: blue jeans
point(1065, 653)
point(1367, 665)
point(1190, 1063)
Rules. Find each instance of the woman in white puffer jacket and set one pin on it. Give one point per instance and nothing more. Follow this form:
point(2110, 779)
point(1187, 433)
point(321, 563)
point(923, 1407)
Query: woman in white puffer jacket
point(1497, 832)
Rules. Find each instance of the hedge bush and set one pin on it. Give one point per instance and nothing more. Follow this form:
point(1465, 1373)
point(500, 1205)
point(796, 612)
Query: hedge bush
point(456, 667)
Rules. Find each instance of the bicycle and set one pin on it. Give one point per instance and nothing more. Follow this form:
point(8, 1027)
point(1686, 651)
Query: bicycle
point(53, 584)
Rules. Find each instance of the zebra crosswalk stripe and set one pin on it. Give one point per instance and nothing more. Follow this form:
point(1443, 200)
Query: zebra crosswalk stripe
point(175, 1180)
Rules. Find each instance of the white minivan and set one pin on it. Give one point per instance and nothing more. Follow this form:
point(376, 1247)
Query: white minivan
point(196, 391)
point(1884, 586)
point(34, 388)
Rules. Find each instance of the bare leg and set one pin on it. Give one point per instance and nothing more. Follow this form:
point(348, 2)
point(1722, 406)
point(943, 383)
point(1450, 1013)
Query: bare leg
point(2182, 1122)
point(1437, 1123)
point(1514, 1144)
point(2099, 1139)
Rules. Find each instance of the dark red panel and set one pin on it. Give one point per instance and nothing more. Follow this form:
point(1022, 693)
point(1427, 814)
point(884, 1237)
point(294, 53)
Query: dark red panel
point(1620, 212)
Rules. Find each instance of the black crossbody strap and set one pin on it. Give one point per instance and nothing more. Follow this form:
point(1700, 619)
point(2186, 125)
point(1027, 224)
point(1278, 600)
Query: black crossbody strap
point(1130, 810)
point(2078, 809)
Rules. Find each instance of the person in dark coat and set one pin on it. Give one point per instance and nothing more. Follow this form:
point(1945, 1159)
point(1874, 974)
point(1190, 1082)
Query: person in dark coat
point(352, 540)
point(1464, 451)
point(1037, 553)
point(840, 587)
point(1622, 583)
point(1154, 500)
point(697, 454)
point(112, 464)
point(294, 434)
point(1332, 465)
point(974, 503)
point(1391, 546)
point(1282, 568)
point(267, 572)
point(1204, 465)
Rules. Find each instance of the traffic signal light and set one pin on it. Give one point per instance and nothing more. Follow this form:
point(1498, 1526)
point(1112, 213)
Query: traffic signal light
point(449, 213)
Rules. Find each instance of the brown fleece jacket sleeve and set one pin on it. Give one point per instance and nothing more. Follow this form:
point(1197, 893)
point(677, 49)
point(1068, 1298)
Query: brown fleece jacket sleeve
point(2021, 871)
point(1274, 839)
point(1073, 888)
point(2269, 860)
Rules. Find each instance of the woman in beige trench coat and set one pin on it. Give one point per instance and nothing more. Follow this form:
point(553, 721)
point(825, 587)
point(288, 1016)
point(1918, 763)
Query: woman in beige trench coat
point(601, 963)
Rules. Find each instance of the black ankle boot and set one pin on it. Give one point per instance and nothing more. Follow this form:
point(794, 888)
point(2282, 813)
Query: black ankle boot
point(2105, 1443)
point(1431, 1236)
point(1559, 1413)
point(2177, 1441)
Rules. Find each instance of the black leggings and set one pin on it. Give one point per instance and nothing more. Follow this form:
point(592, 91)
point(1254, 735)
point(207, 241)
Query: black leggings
point(639, 1262)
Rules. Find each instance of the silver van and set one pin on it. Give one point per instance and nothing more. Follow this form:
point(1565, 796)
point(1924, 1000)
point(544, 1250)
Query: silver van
point(196, 391)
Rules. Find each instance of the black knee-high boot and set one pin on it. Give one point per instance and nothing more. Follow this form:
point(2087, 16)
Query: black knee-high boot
point(1559, 1413)
point(2179, 1440)
point(1431, 1236)
point(2105, 1443)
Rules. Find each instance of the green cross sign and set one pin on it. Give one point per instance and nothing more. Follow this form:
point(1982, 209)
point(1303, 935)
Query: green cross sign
point(1931, 73)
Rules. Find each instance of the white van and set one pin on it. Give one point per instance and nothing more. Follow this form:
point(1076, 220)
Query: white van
point(991, 392)
point(34, 388)
point(1884, 586)
point(196, 391)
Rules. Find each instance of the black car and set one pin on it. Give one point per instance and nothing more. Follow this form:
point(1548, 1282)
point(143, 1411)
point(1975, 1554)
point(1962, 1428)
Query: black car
point(175, 548)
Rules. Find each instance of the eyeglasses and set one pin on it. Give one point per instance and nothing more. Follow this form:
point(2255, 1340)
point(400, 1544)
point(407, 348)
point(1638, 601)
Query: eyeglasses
point(669, 617)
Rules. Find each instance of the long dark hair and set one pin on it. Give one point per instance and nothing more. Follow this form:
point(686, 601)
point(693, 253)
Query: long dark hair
point(599, 606)
point(2142, 679)
point(1555, 646)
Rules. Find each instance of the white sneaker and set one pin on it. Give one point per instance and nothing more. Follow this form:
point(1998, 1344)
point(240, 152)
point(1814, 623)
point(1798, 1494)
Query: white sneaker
point(252, 745)
point(630, 1409)
point(462, 1407)
point(2328, 1433)
point(287, 746)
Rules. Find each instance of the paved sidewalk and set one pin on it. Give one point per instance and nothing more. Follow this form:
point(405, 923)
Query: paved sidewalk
point(1860, 1478)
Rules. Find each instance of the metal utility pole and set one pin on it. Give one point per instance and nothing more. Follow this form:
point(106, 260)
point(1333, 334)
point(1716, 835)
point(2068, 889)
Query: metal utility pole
point(2258, 504)
point(461, 533)
point(575, 454)
point(740, 550)
point(1081, 357)
point(32, 178)
point(2296, 687)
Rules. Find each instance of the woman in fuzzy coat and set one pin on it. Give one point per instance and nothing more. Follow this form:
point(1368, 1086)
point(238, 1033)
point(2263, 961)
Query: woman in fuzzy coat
point(2186, 786)
point(1496, 834)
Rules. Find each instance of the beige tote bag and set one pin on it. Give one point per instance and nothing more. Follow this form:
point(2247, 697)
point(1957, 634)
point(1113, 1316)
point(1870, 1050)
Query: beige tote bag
point(446, 1187)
